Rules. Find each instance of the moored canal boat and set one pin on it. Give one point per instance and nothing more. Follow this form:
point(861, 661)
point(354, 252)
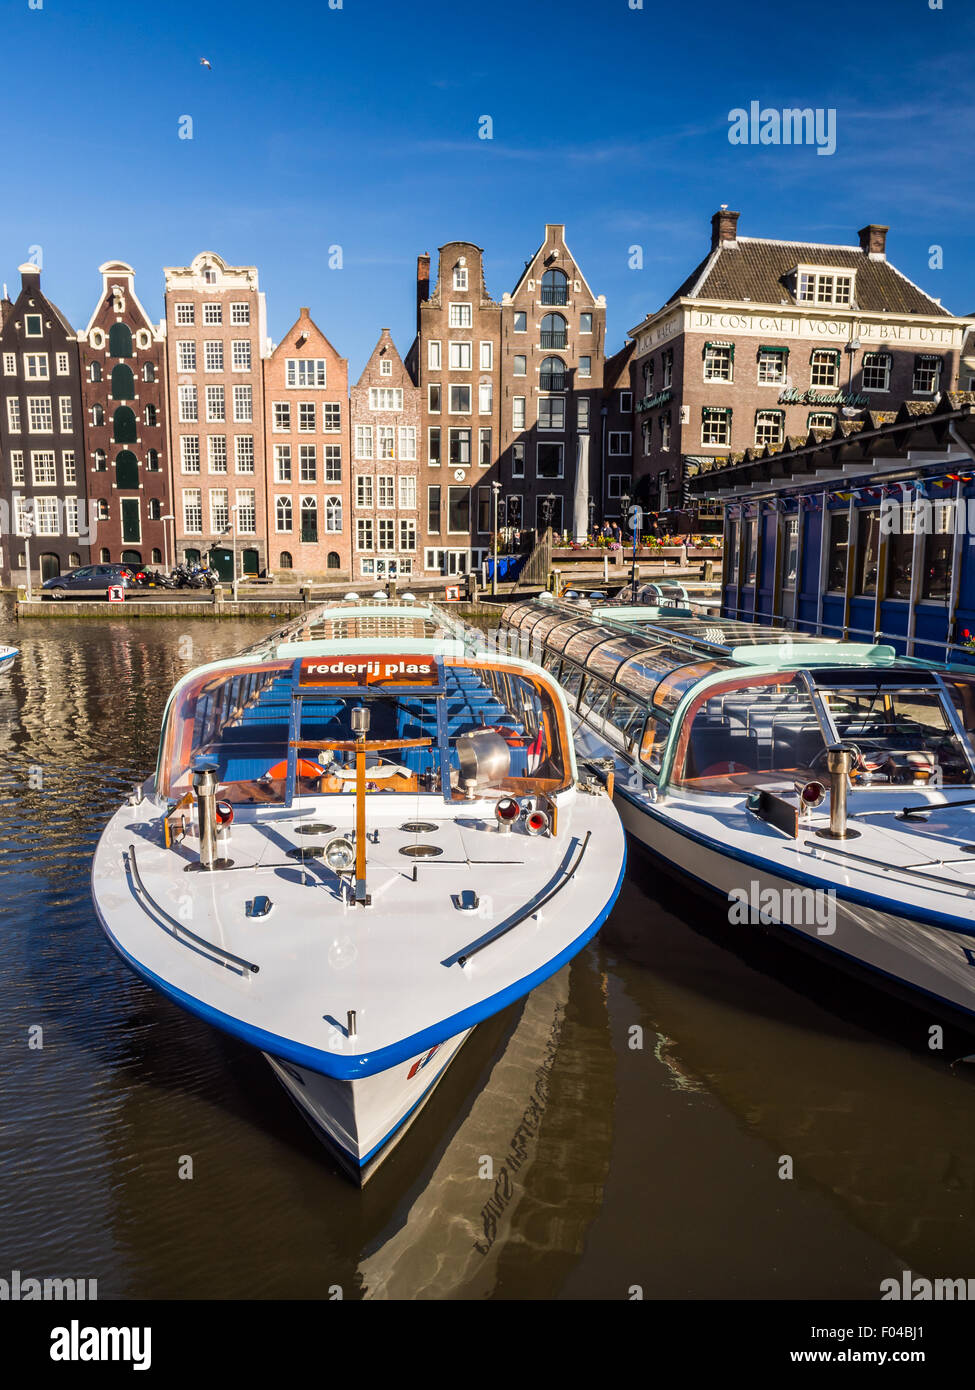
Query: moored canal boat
point(822, 786)
point(8, 655)
point(363, 837)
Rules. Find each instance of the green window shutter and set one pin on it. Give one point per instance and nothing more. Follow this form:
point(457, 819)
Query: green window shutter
point(119, 340)
point(127, 472)
point(123, 426)
point(131, 530)
point(123, 383)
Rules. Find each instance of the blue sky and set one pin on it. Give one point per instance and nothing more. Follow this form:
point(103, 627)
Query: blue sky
point(358, 127)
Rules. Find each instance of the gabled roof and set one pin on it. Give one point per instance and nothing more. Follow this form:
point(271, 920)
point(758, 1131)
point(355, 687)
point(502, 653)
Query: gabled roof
point(385, 347)
point(529, 264)
point(755, 269)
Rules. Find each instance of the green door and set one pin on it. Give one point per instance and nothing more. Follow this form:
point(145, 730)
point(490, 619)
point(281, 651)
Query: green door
point(249, 561)
point(223, 562)
point(131, 528)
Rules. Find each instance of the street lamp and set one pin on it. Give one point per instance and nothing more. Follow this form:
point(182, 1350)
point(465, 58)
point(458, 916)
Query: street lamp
point(496, 489)
point(592, 513)
point(168, 517)
point(233, 522)
point(548, 503)
point(625, 501)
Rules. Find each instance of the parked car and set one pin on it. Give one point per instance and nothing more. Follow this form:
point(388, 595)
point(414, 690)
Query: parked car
point(90, 578)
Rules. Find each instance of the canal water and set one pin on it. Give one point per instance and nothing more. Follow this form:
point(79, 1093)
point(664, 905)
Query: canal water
point(689, 1110)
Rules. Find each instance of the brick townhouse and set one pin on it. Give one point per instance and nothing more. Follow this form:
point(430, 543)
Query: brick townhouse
point(42, 444)
point(216, 333)
point(455, 361)
point(306, 428)
point(553, 336)
point(386, 421)
point(126, 458)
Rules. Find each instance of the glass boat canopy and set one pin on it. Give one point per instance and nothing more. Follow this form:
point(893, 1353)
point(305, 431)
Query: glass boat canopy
point(281, 720)
point(716, 705)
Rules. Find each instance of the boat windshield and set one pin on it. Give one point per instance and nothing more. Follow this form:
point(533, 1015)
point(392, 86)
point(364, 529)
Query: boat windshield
point(502, 731)
point(904, 734)
point(746, 732)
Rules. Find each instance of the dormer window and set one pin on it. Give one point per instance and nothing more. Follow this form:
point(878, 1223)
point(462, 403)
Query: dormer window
point(816, 285)
point(209, 275)
point(460, 276)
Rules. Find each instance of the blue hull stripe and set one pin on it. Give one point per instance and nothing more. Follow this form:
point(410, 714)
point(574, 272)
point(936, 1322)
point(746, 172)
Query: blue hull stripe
point(928, 917)
point(369, 1063)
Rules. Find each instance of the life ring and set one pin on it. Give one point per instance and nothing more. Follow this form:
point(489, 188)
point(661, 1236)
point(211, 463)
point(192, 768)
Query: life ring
point(279, 771)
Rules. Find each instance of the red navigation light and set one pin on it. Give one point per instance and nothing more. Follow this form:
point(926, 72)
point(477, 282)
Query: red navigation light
point(225, 813)
point(812, 794)
point(536, 822)
point(507, 811)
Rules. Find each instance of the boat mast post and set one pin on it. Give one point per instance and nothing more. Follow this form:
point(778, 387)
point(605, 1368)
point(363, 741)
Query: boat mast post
point(205, 786)
point(839, 759)
point(360, 727)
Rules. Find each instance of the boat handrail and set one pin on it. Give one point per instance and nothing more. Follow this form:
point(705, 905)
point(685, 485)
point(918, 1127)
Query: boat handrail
point(140, 889)
point(462, 956)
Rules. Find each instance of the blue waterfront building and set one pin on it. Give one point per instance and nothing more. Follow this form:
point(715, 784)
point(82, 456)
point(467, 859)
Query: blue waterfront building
point(865, 532)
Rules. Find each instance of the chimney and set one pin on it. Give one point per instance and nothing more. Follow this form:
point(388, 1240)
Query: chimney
point(30, 276)
point(422, 283)
point(873, 241)
point(724, 228)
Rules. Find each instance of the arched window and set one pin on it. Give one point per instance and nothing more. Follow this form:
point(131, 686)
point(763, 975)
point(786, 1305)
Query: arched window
point(152, 460)
point(309, 520)
point(555, 287)
point(333, 562)
point(156, 555)
point(101, 461)
point(286, 562)
point(126, 469)
point(149, 415)
point(282, 514)
point(123, 383)
point(148, 371)
point(120, 340)
point(102, 505)
point(155, 509)
point(554, 331)
point(98, 415)
point(105, 556)
point(552, 375)
point(95, 371)
point(131, 557)
point(191, 557)
point(123, 426)
point(333, 514)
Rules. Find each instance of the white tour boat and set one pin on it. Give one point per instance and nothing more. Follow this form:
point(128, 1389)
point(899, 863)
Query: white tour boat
point(823, 786)
point(363, 837)
point(8, 655)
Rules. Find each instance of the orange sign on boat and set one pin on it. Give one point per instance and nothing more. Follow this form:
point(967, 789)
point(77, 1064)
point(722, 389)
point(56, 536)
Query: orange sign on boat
point(373, 669)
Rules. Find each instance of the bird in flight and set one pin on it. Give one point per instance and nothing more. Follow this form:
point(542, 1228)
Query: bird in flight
point(205, 63)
